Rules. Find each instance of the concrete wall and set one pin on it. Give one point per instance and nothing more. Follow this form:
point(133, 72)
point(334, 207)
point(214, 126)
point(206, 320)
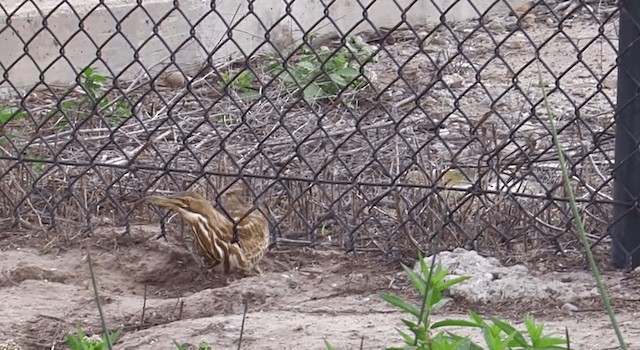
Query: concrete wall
point(57, 40)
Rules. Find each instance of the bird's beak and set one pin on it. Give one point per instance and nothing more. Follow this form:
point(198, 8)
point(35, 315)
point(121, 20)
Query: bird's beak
point(167, 202)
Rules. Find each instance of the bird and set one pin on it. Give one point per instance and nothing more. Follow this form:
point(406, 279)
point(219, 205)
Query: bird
point(226, 243)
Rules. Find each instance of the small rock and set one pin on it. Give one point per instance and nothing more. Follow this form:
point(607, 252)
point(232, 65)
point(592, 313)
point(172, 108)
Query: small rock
point(528, 20)
point(32, 97)
point(570, 308)
point(453, 81)
point(550, 22)
point(175, 79)
point(494, 25)
point(525, 22)
point(514, 45)
point(490, 281)
point(522, 9)
point(511, 24)
point(10, 345)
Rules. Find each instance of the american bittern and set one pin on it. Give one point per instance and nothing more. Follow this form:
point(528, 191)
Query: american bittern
point(215, 233)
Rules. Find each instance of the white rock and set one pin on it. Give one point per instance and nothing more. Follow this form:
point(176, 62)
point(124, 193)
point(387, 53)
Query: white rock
point(454, 80)
point(491, 282)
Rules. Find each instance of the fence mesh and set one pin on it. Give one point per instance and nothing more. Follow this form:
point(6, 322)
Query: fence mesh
point(429, 132)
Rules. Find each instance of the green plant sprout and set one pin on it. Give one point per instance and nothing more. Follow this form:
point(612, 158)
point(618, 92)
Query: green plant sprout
point(9, 114)
point(202, 346)
point(243, 82)
point(82, 342)
point(115, 111)
point(38, 165)
point(326, 74)
point(423, 334)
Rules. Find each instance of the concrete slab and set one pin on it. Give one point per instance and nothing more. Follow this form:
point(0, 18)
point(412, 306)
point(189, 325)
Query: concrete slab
point(52, 40)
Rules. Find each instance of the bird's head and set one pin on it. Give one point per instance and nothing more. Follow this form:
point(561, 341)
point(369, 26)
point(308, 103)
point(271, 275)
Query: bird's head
point(189, 205)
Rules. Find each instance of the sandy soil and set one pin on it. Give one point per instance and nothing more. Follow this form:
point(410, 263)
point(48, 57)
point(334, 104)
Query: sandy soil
point(159, 293)
point(303, 297)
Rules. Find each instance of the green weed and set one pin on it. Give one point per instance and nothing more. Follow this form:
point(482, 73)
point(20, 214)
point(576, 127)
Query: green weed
point(202, 346)
point(82, 342)
point(423, 334)
point(9, 114)
point(8, 132)
point(326, 73)
point(242, 82)
point(96, 101)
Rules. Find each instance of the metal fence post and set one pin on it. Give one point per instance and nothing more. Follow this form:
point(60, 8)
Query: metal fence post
point(626, 221)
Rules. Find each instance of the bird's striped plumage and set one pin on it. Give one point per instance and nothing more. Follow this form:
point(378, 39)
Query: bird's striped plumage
point(214, 231)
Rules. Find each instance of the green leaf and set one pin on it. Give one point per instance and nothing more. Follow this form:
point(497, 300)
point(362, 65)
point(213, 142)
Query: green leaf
point(88, 71)
point(10, 113)
point(204, 346)
point(535, 331)
point(38, 167)
point(74, 342)
point(513, 333)
point(455, 323)
point(288, 78)
point(349, 73)
point(410, 324)
point(440, 304)
point(337, 62)
point(308, 66)
point(424, 268)
point(547, 342)
point(77, 342)
point(115, 335)
point(100, 78)
point(416, 280)
point(444, 341)
point(439, 275)
point(338, 79)
point(408, 339)
point(452, 282)
point(478, 320)
point(493, 340)
point(328, 345)
point(313, 92)
point(400, 304)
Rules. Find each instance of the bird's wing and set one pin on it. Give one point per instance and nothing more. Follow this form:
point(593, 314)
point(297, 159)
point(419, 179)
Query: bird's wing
point(253, 235)
point(248, 222)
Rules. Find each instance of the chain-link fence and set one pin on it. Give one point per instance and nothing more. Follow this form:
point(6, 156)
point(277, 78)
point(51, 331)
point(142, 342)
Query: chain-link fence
point(370, 125)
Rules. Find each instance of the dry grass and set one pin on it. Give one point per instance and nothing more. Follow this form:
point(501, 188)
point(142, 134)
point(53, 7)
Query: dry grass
point(370, 172)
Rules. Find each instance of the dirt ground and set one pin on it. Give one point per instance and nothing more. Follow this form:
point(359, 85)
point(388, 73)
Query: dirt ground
point(158, 292)
point(303, 297)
